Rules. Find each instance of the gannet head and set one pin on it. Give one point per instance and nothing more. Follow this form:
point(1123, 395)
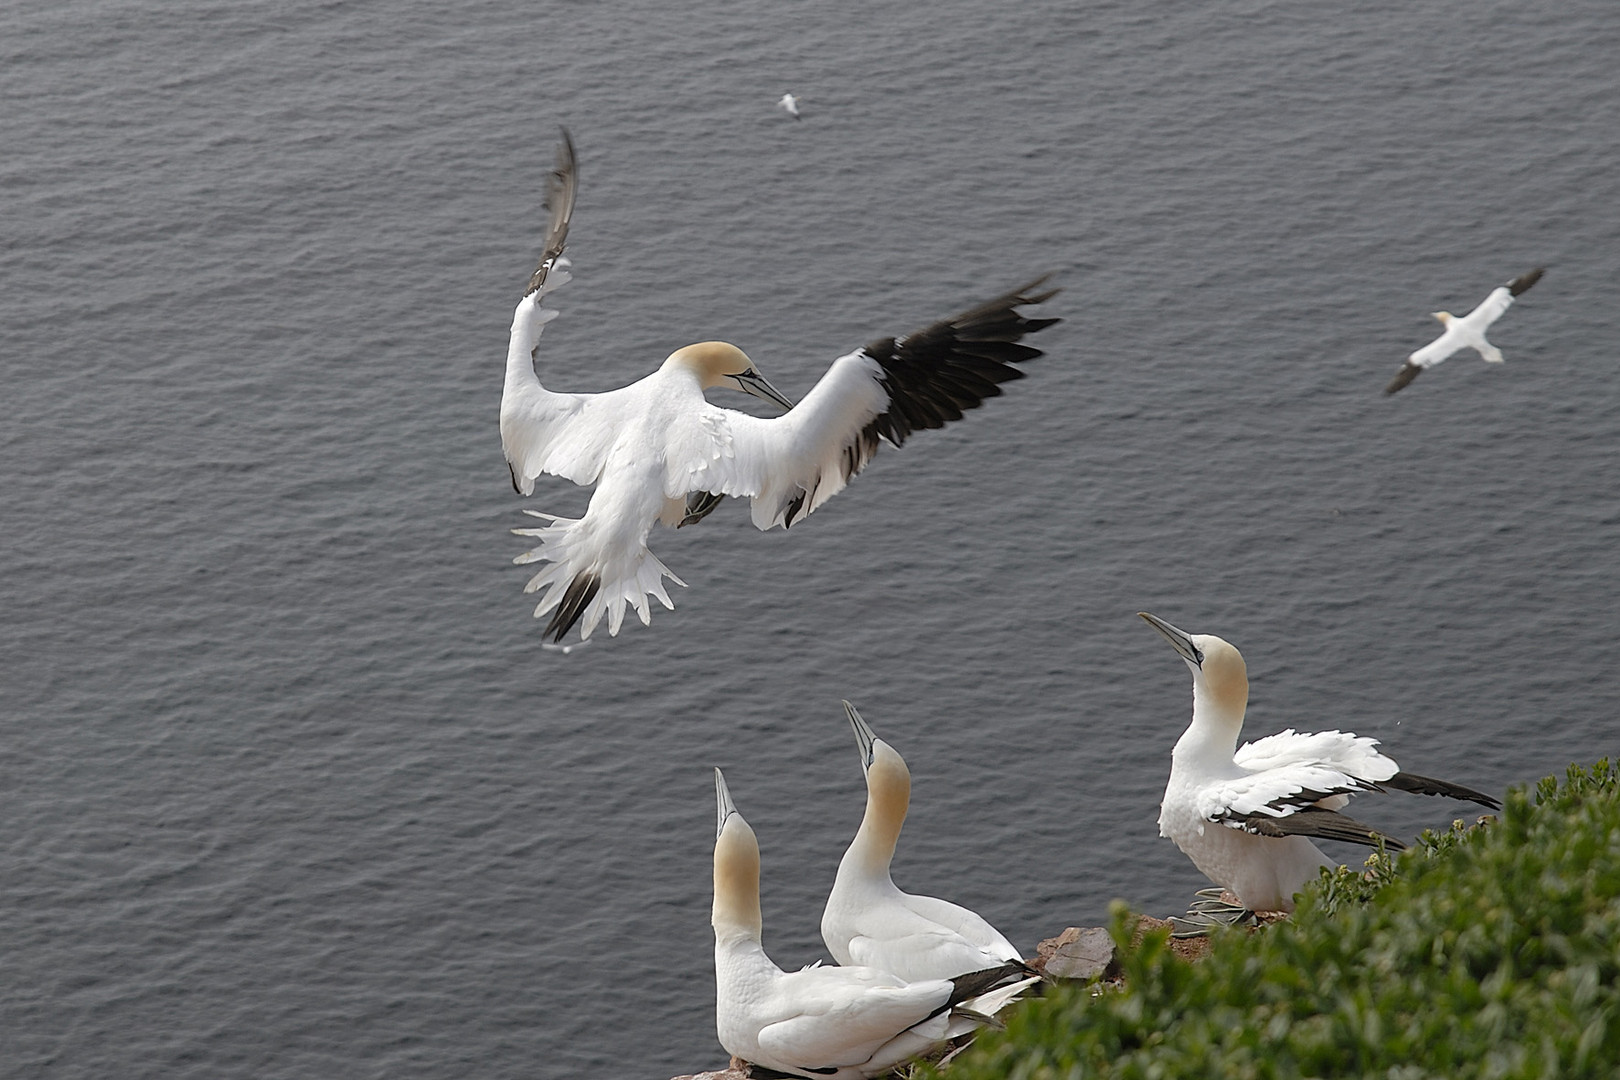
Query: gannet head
point(1220, 678)
point(1445, 317)
point(888, 788)
point(719, 363)
point(736, 870)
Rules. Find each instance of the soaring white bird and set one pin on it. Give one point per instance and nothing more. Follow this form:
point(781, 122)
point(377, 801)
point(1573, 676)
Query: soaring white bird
point(838, 1022)
point(868, 921)
point(791, 104)
point(657, 451)
point(1467, 332)
point(1243, 814)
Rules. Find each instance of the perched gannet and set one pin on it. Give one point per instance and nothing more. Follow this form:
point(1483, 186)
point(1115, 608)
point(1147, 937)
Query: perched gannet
point(868, 921)
point(791, 104)
point(1242, 814)
point(838, 1022)
point(1466, 332)
point(657, 451)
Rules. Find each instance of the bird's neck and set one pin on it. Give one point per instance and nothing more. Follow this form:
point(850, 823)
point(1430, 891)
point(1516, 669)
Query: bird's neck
point(887, 799)
point(736, 915)
point(1213, 733)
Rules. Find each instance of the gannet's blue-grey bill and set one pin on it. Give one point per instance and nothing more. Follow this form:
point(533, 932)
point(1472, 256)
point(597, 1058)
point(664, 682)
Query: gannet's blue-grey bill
point(1179, 640)
point(863, 735)
point(757, 385)
point(723, 805)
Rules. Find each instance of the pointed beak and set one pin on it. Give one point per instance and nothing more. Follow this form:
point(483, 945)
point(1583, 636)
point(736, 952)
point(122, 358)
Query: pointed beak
point(863, 735)
point(751, 382)
point(723, 806)
point(1179, 640)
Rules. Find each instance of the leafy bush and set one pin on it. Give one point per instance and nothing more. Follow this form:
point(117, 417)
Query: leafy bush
point(1481, 952)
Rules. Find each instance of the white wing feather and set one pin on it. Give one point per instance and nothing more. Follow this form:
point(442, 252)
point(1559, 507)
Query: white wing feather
point(799, 460)
point(1286, 765)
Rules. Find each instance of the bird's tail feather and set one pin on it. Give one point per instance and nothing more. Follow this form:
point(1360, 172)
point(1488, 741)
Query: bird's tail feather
point(583, 581)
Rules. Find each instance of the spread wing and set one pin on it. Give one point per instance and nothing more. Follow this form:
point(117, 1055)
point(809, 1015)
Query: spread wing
point(565, 435)
point(1490, 309)
point(1289, 772)
point(791, 464)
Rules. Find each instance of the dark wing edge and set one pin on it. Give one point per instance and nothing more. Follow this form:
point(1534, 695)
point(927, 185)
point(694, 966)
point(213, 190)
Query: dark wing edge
point(1523, 282)
point(1424, 785)
point(1402, 377)
point(561, 184)
point(931, 377)
point(936, 374)
point(1315, 822)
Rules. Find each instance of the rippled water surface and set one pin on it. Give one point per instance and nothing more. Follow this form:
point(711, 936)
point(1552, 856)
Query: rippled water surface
point(290, 788)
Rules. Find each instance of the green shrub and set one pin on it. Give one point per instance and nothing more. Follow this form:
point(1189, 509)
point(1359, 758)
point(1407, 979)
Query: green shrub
point(1481, 952)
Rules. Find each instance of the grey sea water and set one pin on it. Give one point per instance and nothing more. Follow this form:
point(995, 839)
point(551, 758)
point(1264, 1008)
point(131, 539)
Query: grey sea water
point(290, 789)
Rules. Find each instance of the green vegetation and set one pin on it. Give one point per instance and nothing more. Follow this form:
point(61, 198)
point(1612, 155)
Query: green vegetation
point(1482, 952)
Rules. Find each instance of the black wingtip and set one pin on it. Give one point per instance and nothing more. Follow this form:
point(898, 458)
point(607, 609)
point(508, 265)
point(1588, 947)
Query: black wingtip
point(1403, 377)
point(1315, 822)
point(1523, 282)
point(581, 591)
point(699, 505)
point(1425, 785)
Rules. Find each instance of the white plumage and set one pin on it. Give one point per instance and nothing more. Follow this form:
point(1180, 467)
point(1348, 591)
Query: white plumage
point(1467, 332)
point(657, 451)
point(1244, 814)
point(791, 104)
point(837, 1022)
point(868, 920)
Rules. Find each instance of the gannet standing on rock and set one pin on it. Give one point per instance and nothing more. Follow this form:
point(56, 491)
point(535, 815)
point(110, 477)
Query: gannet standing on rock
point(1467, 332)
point(868, 921)
point(833, 1022)
point(657, 451)
point(1243, 814)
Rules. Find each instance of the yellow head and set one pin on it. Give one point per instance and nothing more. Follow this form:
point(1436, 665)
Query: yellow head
point(720, 363)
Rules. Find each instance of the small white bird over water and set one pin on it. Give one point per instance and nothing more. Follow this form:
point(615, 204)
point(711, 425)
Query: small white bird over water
point(1467, 332)
point(868, 920)
point(791, 104)
point(1243, 814)
point(657, 451)
point(833, 1022)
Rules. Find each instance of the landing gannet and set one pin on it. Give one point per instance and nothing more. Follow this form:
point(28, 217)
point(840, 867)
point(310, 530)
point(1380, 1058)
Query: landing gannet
point(1466, 332)
point(791, 104)
point(837, 1022)
point(657, 451)
point(1269, 795)
point(868, 920)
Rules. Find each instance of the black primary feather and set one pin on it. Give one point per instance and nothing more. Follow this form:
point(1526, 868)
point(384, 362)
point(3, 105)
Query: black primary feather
point(1312, 821)
point(1424, 785)
point(934, 375)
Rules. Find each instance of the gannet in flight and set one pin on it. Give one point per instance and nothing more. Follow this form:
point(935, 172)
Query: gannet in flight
point(1466, 332)
point(868, 921)
point(1243, 814)
point(834, 1022)
point(791, 104)
point(657, 451)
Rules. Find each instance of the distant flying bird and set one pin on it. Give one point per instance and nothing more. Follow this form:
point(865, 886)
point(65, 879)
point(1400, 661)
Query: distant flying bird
point(868, 920)
point(1467, 332)
point(1243, 814)
point(657, 451)
point(838, 1023)
point(791, 104)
